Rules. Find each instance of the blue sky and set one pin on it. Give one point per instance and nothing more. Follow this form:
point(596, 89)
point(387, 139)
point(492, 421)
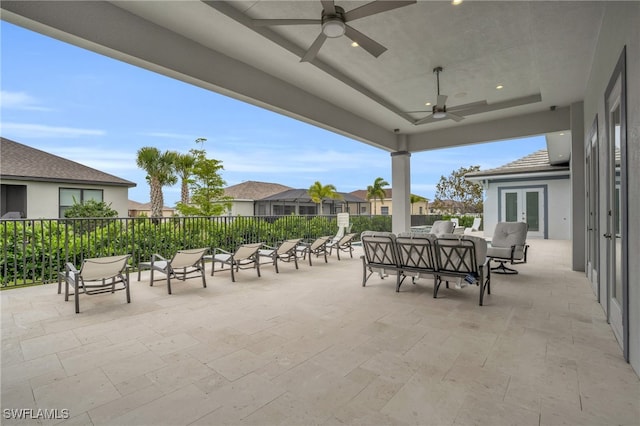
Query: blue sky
point(99, 111)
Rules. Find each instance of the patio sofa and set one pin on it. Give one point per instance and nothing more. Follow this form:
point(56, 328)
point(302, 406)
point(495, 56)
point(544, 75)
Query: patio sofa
point(445, 257)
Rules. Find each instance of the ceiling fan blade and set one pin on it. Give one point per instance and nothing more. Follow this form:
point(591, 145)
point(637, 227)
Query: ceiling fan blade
point(454, 117)
point(467, 106)
point(371, 46)
point(315, 47)
point(328, 6)
point(267, 22)
point(509, 103)
point(442, 100)
point(428, 119)
point(373, 8)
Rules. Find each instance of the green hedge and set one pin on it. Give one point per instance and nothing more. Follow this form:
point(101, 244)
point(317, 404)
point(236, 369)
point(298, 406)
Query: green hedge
point(35, 250)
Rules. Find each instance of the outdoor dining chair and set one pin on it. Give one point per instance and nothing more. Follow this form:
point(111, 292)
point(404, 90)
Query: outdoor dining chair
point(96, 276)
point(286, 251)
point(245, 257)
point(184, 264)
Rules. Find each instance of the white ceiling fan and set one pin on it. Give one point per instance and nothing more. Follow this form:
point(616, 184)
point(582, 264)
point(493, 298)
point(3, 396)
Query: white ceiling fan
point(334, 24)
point(439, 111)
point(457, 113)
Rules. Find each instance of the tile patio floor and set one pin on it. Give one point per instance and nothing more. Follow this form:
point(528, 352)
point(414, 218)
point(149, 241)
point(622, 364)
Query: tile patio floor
point(314, 347)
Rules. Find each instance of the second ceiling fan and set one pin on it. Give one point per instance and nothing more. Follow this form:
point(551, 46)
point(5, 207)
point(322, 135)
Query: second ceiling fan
point(440, 111)
point(334, 24)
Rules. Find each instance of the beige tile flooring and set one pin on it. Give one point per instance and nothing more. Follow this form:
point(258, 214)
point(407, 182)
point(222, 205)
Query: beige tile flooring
point(313, 346)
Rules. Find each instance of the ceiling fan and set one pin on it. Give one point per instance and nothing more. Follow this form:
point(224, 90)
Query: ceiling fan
point(440, 110)
point(334, 24)
point(457, 113)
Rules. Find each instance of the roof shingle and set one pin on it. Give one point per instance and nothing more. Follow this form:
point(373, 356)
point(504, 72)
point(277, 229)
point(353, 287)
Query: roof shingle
point(21, 162)
point(536, 162)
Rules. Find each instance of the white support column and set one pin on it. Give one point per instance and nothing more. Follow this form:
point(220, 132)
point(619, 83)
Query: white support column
point(401, 184)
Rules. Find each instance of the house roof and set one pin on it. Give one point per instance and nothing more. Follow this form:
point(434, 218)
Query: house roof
point(253, 190)
point(21, 162)
point(537, 162)
point(134, 205)
point(302, 195)
point(362, 193)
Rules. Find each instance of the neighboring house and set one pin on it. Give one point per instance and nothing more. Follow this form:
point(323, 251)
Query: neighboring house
point(41, 185)
point(447, 207)
point(245, 195)
point(137, 209)
point(385, 207)
point(298, 201)
point(529, 189)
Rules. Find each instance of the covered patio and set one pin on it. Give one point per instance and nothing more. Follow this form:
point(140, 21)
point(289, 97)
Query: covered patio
point(312, 346)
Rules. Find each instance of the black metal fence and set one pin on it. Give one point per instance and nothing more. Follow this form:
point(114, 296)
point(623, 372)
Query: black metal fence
point(34, 250)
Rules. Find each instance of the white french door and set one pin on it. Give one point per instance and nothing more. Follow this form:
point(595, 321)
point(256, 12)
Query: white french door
point(592, 216)
point(614, 236)
point(524, 205)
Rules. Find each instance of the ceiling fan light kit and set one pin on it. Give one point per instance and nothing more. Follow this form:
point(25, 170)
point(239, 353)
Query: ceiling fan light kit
point(333, 25)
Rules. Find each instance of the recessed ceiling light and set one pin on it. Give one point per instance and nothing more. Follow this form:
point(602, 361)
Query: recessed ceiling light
point(355, 44)
point(428, 103)
point(456, 2)
point(499, 86)
point(561, 133)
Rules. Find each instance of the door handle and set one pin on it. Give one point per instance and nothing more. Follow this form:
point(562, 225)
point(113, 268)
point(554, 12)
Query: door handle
point(607, 235)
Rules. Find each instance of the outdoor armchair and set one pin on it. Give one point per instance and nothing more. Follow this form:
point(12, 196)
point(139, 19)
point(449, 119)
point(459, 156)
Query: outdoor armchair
point(440, 227)
point(96, 276)
point(508, 244)
point(245, 257)
point(317, 247)
point(286, 251)
point(184, 264)
point(343, 244)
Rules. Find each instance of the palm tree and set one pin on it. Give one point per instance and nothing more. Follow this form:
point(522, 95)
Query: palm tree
point(183, 166)
point(415, 199)
point(159, 168)
point(376, 191)
point(318, 192)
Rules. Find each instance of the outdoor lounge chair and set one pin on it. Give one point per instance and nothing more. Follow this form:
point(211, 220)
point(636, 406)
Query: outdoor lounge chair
point(184, 264)
point(286, 251)
point(440, 227)
point(508, 244)
point(343, 244)
point(463, 257)
point(317, 247)
point(96, 276)
point(245, 257)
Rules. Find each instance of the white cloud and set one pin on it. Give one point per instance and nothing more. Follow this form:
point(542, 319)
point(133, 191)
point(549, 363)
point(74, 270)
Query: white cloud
point(20, 100)
point(169, 135)
point(31, 130)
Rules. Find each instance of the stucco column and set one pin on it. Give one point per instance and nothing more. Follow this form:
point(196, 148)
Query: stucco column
point(401, 184)
point(578, 226)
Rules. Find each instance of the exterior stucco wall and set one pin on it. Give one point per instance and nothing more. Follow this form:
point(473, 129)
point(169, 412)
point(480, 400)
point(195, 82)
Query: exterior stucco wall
point(43, 197)
point(619, 29)
point(558, 205)
point(241, 208)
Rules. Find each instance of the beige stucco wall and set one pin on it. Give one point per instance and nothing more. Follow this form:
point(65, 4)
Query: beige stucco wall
point(43, 201)
point(414, 208)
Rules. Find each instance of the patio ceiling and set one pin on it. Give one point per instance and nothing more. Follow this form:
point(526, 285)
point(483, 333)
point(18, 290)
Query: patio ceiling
point(531, 48)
